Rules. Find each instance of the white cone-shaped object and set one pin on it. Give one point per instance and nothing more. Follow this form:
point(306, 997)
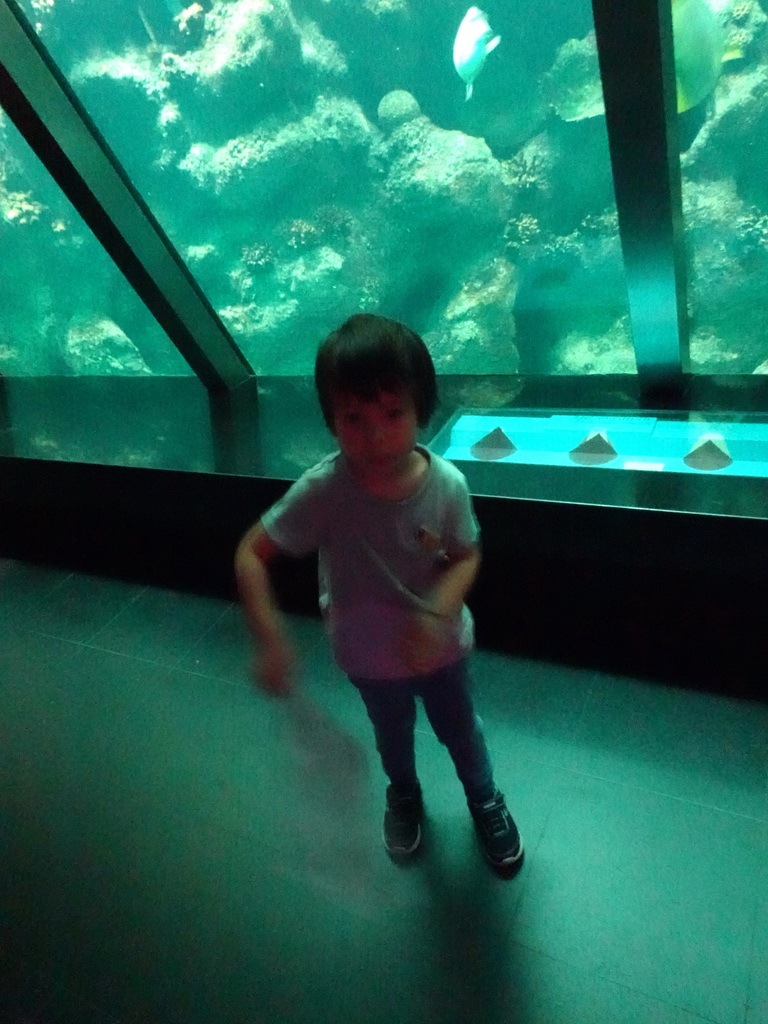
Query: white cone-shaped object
point(708, 453)
point(594, 450)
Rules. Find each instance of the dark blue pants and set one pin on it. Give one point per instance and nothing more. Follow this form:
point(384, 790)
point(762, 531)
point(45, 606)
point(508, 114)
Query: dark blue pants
point(391, 706)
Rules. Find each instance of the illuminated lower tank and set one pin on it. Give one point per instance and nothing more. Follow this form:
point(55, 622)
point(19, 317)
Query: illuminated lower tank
point(610, 441)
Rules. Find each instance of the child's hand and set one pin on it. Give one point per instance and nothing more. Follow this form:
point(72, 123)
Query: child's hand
point(423, 642)
point(275, 667)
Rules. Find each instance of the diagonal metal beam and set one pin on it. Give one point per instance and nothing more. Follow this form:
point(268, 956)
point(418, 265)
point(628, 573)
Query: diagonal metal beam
point(635, 47)
point(43, 106)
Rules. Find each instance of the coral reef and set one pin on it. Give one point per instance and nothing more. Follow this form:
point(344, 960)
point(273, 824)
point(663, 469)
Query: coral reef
point(243, 33)
point(95, 344)
point(744, 24)
point(383, 7)
point(572, 85)
point(190, 16)
point(307, 160)
point(611, 352)
point(334, 223)
point(741, 11)
point(476, 326)
point(728, 265)
point(302, 234)
point(527, 170)
point(258, 256)
point(438, 177)
point(18, 207)
point(330, 147)
point(396, 108)
point(521, 231)
point(605, 223)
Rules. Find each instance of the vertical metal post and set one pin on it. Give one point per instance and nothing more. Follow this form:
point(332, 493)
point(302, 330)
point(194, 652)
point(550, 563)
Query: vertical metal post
point(635, 48)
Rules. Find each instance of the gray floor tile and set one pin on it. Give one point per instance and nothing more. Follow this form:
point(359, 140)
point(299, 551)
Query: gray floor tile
point(66, 1007)
point(251, 952)
point(39, 675)
point(756, 1015)
point(178, 847)
point(135, 755)
point(26, 654)
point(75, 608)
point(160, 625)
point(697, 746)
point(531, 709)
point(758, 988)
point(653, 893)
point(542, 990)
point(24, 991)
point(23, 585)
point(227, 651)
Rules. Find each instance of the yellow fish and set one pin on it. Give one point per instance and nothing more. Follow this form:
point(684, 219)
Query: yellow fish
point(699, 51)
point(573, 83)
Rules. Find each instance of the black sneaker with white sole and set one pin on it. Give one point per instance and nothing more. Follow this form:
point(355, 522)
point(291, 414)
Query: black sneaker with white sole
point(402, 821)
point(497, 831)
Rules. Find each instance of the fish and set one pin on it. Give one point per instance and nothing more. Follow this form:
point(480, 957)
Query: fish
point(573, 83)
point(474, 41)
point(699, 51)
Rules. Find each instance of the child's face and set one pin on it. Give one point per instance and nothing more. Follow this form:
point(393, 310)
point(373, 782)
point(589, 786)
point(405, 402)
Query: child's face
point(376, 437)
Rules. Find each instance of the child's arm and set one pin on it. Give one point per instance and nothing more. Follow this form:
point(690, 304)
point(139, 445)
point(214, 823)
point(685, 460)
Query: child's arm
point(448, 595)
point(425, 637)
point(276, 665)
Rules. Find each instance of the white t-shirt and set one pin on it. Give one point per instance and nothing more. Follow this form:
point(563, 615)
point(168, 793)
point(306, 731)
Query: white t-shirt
point(377, 557)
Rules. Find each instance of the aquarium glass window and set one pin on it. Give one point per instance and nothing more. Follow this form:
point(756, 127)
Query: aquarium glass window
point(723, 125)
point(425, 160)
point(67, 310)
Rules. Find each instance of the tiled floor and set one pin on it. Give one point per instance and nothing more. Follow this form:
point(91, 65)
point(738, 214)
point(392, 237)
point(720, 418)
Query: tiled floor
point(177, 848)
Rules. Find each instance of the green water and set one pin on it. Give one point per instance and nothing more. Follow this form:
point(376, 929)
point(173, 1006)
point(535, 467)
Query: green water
point(310, 158)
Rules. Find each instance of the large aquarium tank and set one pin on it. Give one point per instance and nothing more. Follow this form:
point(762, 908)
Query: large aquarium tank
point(568, 203)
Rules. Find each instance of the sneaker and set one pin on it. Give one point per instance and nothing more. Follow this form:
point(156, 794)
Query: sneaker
point(402, 822)
point(498, 832)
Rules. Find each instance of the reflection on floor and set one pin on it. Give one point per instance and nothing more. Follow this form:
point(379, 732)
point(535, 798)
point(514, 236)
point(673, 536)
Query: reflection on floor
point(176, 848)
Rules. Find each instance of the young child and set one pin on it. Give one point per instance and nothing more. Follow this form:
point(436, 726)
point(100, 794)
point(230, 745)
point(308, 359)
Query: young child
point(398, 551)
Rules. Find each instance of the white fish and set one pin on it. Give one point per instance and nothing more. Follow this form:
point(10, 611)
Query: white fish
point(474, 41)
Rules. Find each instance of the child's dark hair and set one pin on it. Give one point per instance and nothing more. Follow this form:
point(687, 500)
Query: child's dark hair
point(369, 354)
